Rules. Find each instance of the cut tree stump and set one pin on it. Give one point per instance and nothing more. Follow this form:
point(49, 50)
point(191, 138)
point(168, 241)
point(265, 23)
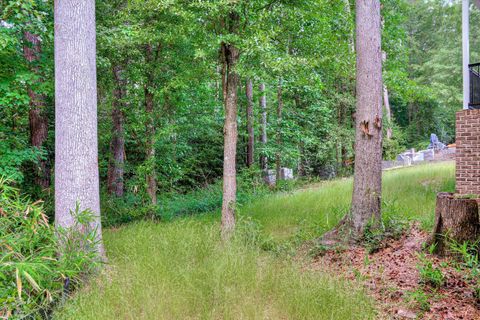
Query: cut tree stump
point(456, 219)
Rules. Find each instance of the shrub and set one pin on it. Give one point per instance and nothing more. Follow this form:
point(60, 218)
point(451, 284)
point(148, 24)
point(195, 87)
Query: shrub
point(32, 276)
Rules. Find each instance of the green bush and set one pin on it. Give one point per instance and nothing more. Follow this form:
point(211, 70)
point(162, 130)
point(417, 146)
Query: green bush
point(32, 276)
point(133, 207)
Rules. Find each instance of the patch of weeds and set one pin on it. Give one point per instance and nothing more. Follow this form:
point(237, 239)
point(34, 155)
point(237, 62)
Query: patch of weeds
point(429, 274)
point(282, 248)
point(420, 299)
point(468, 253)
point(358, 275)
point(317, 250)
point(476, 292)
point(366, 260)
point(374, 236)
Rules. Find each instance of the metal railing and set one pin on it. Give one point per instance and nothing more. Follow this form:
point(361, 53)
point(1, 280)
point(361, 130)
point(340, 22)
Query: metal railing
point(474, 102)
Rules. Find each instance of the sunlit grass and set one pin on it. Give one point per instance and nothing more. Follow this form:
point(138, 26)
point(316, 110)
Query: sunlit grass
point(181, 269)
point(408, 194)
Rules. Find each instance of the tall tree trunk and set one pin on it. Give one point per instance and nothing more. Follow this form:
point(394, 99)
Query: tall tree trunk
point(263, 128)
point(367, 185)
point(76, 144)
point(278, 158)
point(150, 126)
point(231, 57)
point(115, 183)
point(38, 120)
point(250, 130)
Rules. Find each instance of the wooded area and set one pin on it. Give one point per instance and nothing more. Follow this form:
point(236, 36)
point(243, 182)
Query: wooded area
point(112, 111)
point(163, 73)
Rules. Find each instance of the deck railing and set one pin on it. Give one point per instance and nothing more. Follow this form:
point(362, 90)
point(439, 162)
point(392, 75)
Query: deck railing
point(474, 102)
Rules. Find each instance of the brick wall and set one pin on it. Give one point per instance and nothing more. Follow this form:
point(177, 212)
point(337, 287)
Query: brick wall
point(468, 152)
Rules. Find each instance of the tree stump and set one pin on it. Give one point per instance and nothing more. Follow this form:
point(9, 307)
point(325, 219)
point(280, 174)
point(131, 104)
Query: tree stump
point(456, 219)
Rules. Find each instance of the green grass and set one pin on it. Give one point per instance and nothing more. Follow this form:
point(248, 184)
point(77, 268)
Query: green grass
point(408, 194)
point(181, 269)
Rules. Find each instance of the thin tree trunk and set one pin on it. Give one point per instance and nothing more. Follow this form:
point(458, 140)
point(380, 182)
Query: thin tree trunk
point(351, 35)
point(223, 72)
point(367, 185)
point(302, 172)
point(342, 122)
point(150, 126)
point(76, 144)
point(388, 111)
point(115, 184)
point(230, 133)
point(386, 102)
point(250, 130)
point(263, 129)
point(278, 158)
point(38, 120)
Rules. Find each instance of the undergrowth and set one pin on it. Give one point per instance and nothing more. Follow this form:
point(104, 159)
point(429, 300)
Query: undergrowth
point(182, 270)
point(33, 276)
point(133, 207)
point(179, 268)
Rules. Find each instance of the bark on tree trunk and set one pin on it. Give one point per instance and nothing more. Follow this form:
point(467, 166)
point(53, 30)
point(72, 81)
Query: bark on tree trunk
point(456, 219)
point(38, 120)
point(116, 164)
point(150, 126)
point(367, 185)
point(263, 128)
point(230, 138)
point(250, 129)
point(76, 144)
point(278, 158)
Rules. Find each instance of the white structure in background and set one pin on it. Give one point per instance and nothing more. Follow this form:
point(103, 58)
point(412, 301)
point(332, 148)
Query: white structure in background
point(466, 51)
point(285, 174)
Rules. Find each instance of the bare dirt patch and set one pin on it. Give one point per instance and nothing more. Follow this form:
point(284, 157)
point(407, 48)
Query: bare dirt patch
point(391, 276)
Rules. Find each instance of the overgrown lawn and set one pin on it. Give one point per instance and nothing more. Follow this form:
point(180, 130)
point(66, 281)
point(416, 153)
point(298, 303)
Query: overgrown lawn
point(181, 269)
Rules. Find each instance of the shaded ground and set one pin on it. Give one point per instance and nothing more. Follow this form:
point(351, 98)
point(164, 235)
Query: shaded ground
point(391, 276)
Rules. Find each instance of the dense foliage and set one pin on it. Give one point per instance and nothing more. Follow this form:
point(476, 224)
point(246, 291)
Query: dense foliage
point(160, 90)
point(32, 275)
point(161, 110)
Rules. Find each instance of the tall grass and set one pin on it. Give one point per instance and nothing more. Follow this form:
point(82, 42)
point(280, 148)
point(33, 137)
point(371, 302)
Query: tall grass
point(408, 194)
point(181, 269)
